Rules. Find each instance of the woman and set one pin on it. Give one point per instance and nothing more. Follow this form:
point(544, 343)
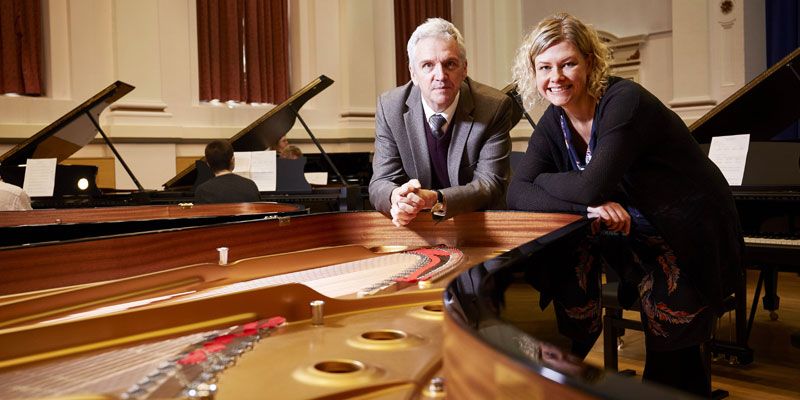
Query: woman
point(608, 148)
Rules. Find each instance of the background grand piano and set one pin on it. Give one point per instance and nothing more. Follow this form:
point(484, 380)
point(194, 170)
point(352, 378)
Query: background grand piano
point(768, 200)
point(77, 128)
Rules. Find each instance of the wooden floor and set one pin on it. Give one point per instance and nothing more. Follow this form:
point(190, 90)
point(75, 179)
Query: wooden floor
point(775, 373)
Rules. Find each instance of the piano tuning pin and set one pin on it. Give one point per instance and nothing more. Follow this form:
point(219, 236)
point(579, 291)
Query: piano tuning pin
point(206, 376)
point(134, 392)
point(435, 389)
point(317, 313)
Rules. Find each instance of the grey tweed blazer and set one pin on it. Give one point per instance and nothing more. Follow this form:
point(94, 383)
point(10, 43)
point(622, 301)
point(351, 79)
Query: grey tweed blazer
point(477, 159)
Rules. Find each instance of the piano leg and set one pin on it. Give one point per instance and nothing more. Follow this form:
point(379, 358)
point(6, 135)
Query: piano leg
point(771, 301)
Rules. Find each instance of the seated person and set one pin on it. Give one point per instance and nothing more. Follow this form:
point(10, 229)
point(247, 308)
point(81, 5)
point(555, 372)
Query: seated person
point(284, 150)
point(290, 152)
point(441, 140)
point(608, 148)
point(225, 186)
point(283, 143)
point(13, 198)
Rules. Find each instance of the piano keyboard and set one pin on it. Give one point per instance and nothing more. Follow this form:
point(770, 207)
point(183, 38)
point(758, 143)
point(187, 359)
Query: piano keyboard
point(777, 242)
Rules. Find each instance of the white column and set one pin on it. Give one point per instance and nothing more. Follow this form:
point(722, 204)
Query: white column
point(690, 49)
point(91, 47)
point(357, 73)
point(492, 31)
point(386, 71)
point(137, 55)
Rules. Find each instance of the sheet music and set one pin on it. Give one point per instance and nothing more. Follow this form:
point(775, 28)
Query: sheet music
point(241, 163)
point(317, 178)
point(40, 177)
point(260, 166)
point(730, 155)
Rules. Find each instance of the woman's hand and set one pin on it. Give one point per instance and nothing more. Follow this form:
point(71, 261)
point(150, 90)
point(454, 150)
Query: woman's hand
point(612, 216)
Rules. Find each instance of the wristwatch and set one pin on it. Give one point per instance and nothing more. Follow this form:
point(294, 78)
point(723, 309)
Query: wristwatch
point(438, 208)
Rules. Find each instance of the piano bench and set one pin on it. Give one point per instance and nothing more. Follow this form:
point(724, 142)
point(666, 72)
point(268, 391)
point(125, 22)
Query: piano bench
point(614, 324)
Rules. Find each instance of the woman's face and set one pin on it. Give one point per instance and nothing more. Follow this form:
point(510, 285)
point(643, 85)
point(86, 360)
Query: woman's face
point(562, 75)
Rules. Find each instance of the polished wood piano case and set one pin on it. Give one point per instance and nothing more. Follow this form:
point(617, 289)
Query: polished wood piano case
point(158, 331)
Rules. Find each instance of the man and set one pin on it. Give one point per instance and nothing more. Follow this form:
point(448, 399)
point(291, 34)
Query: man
point(441, 140)
point(225, 186)
point(13, 198)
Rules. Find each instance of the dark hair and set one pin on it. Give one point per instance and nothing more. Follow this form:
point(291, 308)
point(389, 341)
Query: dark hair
point(219, 155)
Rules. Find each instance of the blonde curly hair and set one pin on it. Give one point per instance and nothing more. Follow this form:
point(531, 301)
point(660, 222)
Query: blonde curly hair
point(553, 30)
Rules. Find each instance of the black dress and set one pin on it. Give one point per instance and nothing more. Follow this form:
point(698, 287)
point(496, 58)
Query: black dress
point(684, 254)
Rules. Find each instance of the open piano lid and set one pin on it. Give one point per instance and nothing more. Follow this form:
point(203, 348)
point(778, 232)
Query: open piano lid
point(264, 132)
point(68, 134)
point(762, 108)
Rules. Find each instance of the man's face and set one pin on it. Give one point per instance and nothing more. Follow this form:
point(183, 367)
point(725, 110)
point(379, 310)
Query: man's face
point(438, 71)
point(283, 142)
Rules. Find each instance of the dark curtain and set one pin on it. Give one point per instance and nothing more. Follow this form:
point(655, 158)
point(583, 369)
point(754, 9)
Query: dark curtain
point(267, 50)
point(243, 50)
point(408, 14)
point(783, 37)
point(21, 47)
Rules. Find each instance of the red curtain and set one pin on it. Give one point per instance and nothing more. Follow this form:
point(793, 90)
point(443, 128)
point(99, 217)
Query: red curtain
point(408, 14)
point(243, 50)
point(20, 47)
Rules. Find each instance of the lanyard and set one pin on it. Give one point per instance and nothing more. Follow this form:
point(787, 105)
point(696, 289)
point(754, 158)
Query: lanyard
point(573, 156)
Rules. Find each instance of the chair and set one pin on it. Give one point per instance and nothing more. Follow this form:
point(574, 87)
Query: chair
point(614, 325)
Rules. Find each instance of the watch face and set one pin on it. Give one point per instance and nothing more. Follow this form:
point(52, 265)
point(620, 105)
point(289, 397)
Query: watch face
point(437, 208)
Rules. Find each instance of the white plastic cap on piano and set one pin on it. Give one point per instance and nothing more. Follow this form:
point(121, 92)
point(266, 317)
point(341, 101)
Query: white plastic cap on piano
point(223, 255)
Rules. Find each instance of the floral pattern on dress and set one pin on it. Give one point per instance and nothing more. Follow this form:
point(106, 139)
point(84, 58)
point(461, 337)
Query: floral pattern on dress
point(666, 260)
point(660, 312)
point(590, 311)
point(585, 262)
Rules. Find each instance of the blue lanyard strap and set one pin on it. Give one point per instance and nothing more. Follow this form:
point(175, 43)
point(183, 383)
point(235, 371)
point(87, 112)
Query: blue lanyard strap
point(573, 156)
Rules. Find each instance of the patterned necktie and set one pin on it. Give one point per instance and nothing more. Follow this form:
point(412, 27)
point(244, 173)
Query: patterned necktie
point(437, 121)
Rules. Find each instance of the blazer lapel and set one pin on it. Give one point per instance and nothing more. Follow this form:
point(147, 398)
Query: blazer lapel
point(413, 119)
point(463, 120)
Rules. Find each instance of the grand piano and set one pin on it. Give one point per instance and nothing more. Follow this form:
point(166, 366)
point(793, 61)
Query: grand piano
point(78, 127)
point(52, 225)
point(768, 200)
point(292, 187)
point(64, 215)
point(325, 306)
point(60, 140)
